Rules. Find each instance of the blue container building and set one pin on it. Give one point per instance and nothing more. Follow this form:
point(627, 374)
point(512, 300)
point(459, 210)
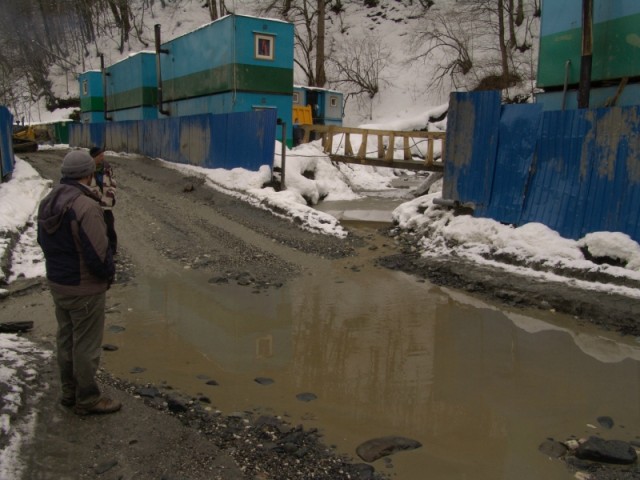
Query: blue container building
point(131, 88)
point(326, 105)
point(91, 97)
point(234, 64)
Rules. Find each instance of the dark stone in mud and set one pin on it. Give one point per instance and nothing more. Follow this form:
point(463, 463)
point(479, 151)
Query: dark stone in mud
point(552, 448)
point(376, 448)
point(579, 464)
point(265, 421)
point(149, 392)
point(605, 422)
point(176, 405)
point(607, 451)
point(116, 329)
point(212, 382)
point(107, 347)
point(137, 370)
point(306, 397)
point(218, 280)
point(263, 380)
point(204, 399)
point(245, 278)
point(105, 467)
point(362, 471)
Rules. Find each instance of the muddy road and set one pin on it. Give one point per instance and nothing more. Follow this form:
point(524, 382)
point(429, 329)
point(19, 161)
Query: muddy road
point(178, 238)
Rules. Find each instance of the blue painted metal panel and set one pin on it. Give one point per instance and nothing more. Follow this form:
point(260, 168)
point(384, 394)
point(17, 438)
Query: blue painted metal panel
point(202, 49)
point(585, 167)
point(135, 71)
point(283, 38)
point(302, 95)
point(237, 102)
point(519, 129)
point(7, 159)
point(557, 192)
point(139, 113)
point(92, 117)
point(233, 140)
point(93, 85)
point(613, 170)
point(598, 97)
point(250, 154)
point(472, 139)
point(560, 16)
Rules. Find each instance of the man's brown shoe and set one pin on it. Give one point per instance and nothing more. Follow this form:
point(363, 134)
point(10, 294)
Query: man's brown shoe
point(104, 405)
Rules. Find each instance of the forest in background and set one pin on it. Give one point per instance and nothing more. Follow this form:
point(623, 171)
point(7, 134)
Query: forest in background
point(463, 44)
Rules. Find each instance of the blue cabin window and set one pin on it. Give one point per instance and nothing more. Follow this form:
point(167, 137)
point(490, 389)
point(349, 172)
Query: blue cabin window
point(264, 46)
point(333, 101)
point(296, 97)
point(85, 87)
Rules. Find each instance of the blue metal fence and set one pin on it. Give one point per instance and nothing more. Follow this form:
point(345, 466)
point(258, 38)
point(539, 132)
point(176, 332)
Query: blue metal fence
point(6, 142)
point(232, 140)
point(576, 171)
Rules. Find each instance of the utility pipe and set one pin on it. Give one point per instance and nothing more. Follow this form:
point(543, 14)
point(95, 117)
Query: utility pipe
point(283, 154)
point(584, 88)
point(567, 67)
point(104, 87)
point(158, 68)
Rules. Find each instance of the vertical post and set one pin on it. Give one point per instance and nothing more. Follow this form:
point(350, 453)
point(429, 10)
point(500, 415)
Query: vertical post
point(104, 87)
point(283, 153)
point(584, 88)
point(158, 69)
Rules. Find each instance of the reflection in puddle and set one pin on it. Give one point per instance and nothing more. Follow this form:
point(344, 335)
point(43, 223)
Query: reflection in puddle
point(480, 388)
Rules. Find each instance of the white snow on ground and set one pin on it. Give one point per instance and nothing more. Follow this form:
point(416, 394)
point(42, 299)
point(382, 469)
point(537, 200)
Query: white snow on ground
point(19, 361)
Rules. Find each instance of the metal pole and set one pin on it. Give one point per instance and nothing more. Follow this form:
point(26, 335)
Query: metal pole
point(104, 87)
point(283, 155)
point(584, 88)
point(158, 69)
point(567, 67)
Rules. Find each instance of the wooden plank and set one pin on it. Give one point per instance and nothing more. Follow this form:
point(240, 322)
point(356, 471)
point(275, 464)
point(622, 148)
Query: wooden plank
point(376, 162)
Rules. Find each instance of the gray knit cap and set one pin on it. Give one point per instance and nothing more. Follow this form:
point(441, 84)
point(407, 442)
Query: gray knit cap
point(78, 164)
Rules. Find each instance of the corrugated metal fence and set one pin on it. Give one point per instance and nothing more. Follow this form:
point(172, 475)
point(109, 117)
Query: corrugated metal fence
point(576, 171)
point(6, 142)
point(245, 140)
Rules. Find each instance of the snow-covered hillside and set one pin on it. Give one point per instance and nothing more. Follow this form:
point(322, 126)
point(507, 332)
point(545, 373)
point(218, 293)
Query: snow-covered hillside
point(392, 26)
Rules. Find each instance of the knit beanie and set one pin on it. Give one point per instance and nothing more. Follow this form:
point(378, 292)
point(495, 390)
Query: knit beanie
point(78, 164)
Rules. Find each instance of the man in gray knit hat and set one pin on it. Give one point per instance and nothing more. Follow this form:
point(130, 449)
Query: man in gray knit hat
point(80, 269)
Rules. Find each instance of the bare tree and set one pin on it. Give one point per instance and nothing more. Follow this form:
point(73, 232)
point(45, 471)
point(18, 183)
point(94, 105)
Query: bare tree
point(360, 67)
point(216, 10)
point(321, 77)
point(450, 38)
point(308, 16)
point(474, 45)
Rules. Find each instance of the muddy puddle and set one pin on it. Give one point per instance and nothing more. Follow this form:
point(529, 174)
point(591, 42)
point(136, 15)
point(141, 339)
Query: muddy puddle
point(385, 354)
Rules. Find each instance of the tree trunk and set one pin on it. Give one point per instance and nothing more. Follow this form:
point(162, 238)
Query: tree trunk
point(513, 42)
point(321, 77)
point(504, 53)
point(520, 13)
point(286, 7)
point(213, 10)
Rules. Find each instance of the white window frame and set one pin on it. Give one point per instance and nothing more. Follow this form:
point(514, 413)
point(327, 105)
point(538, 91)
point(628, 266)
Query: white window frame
point(258, 38)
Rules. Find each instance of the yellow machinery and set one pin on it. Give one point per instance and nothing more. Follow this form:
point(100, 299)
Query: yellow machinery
point(302, 115)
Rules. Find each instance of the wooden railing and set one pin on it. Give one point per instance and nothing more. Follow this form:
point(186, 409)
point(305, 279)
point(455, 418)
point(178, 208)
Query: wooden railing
point(384, 156)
